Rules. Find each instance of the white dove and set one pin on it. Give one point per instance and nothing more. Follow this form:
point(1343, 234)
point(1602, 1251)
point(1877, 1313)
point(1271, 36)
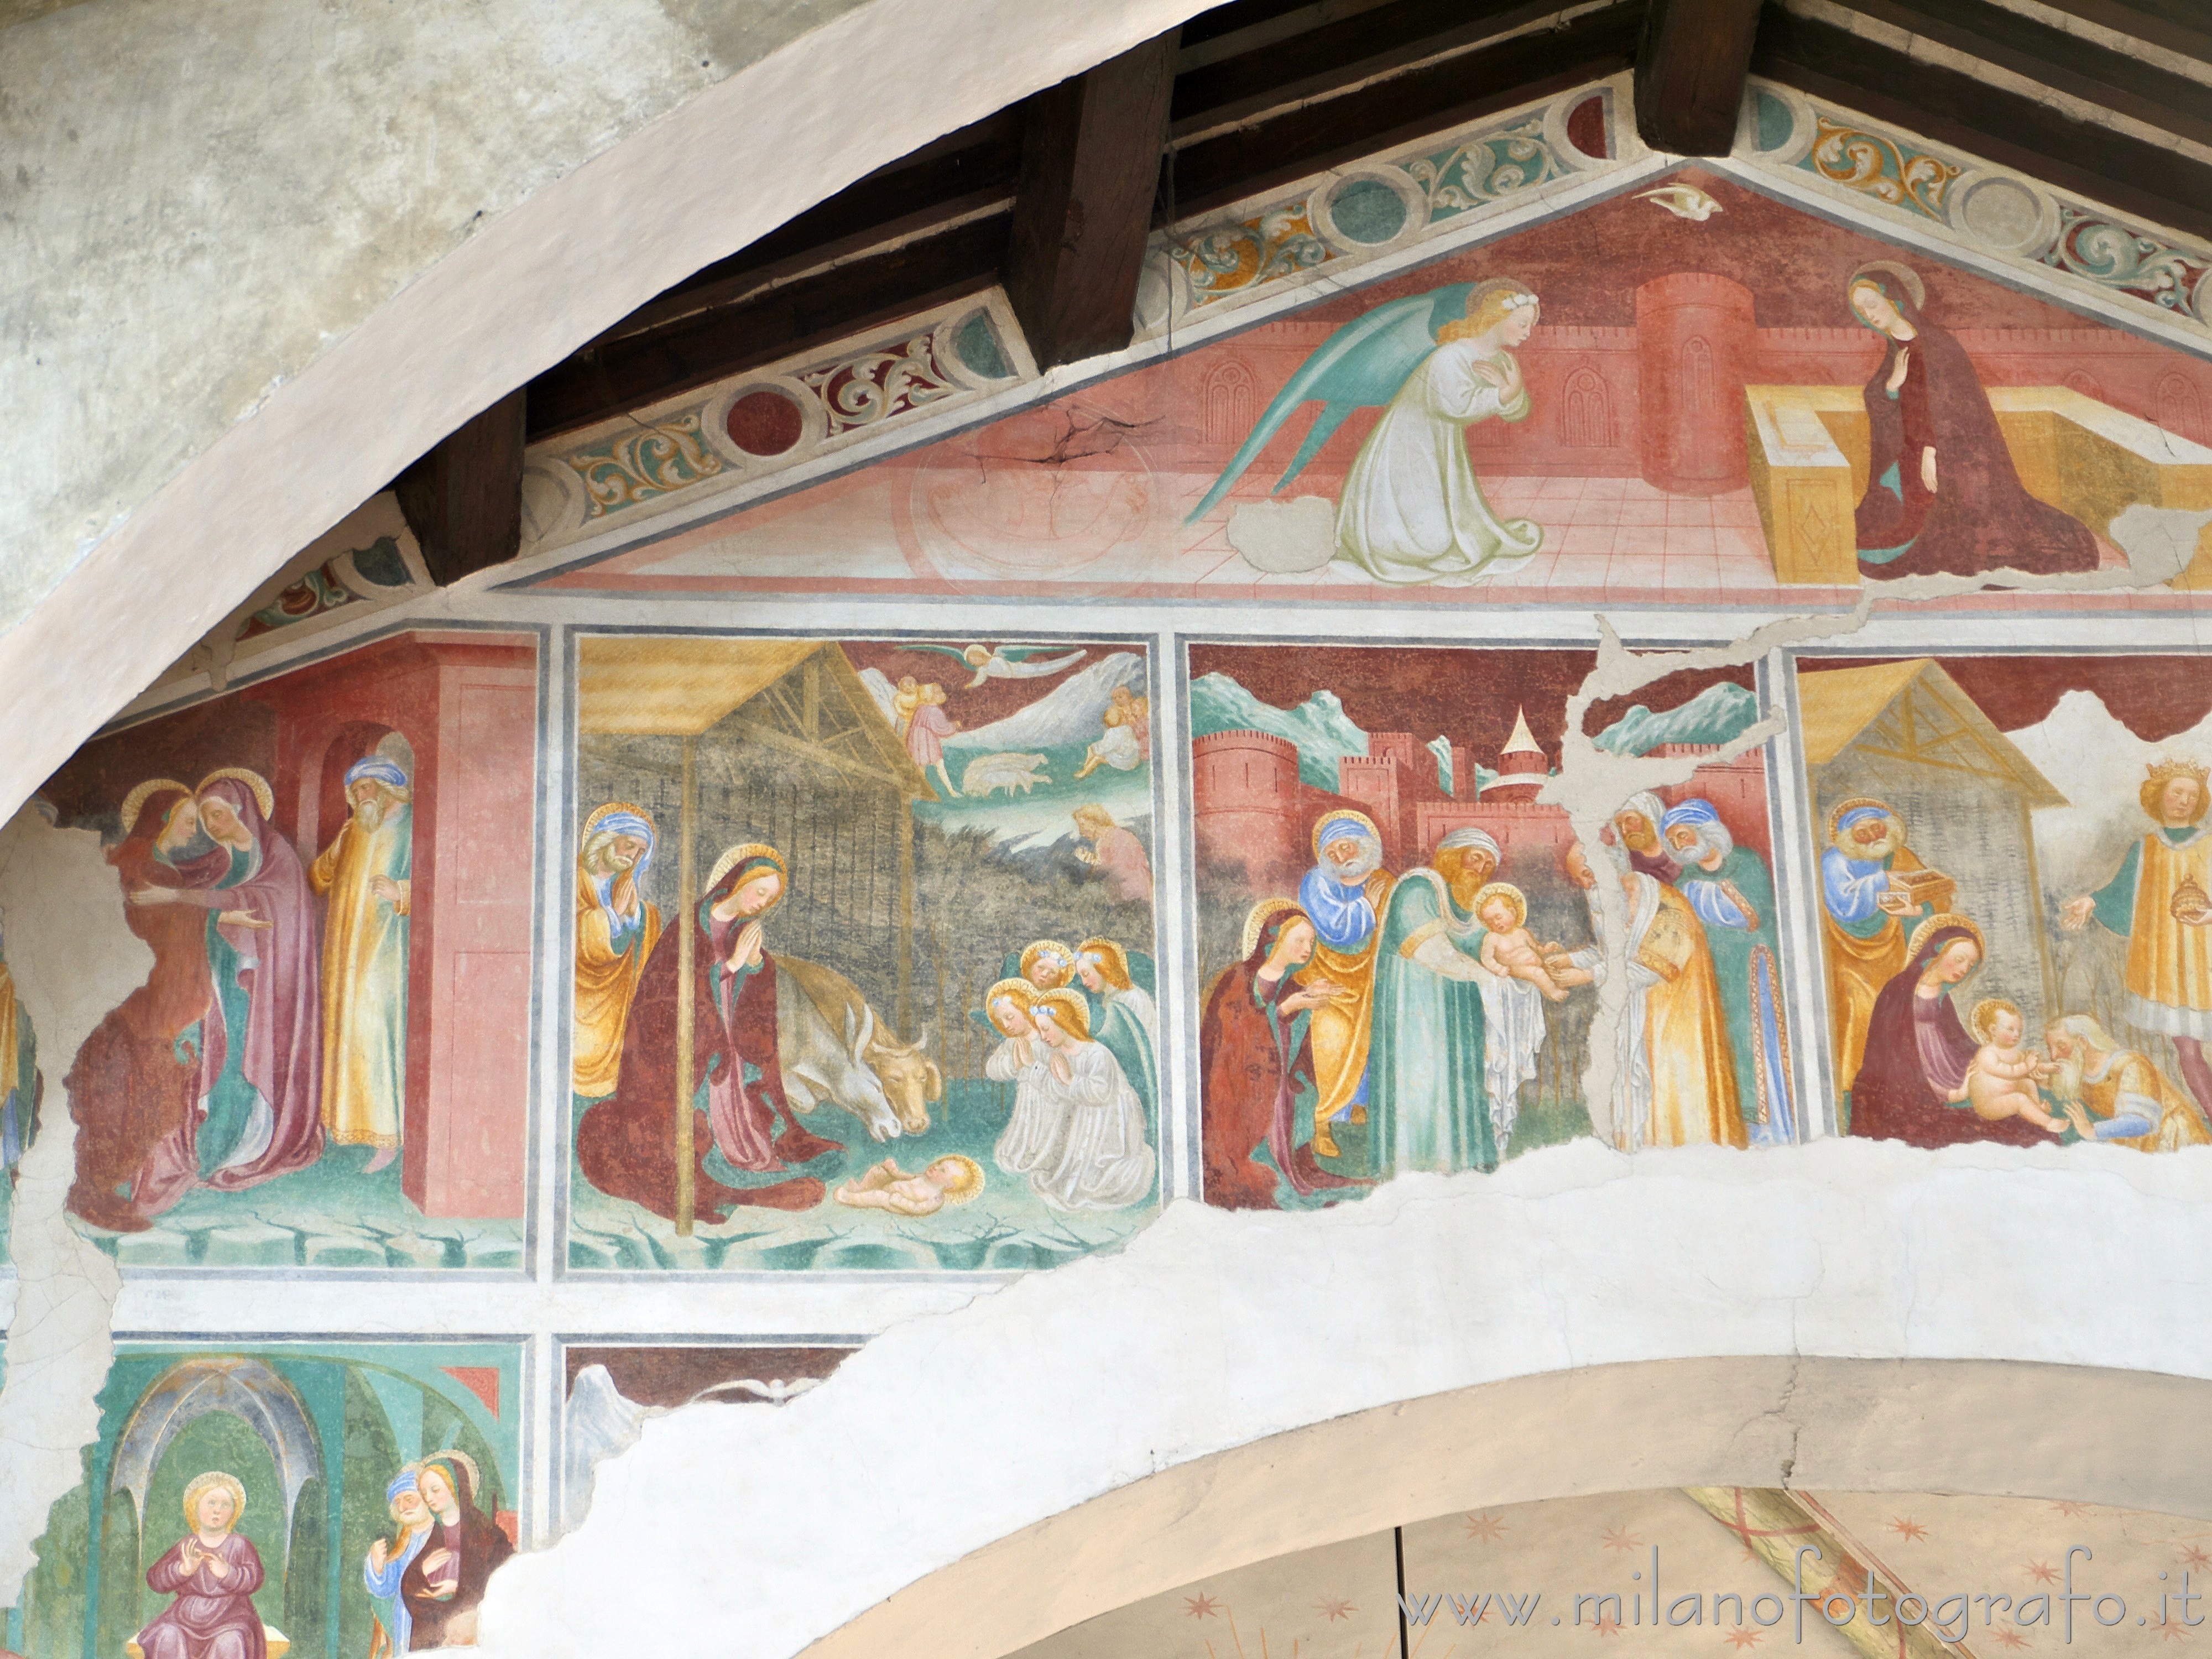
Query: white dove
point(1683, 201)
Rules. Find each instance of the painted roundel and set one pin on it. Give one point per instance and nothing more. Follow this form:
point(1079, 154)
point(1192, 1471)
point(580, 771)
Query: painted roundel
point(764, 423)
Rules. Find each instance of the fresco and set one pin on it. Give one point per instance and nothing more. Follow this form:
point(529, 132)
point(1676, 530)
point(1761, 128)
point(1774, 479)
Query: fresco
point(907, 1021)
point(1752, 405)
point(22, 1088)
point(294, 1498)
point(1701, 1571)
point(1399, 941)
point(612, 1390)
point(316, 865)
point(2013, 895)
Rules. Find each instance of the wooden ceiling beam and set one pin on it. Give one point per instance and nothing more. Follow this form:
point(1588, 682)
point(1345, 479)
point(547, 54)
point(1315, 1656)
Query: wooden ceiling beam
point(464, 499)
point(2008, 128)
point(1083, 206)
point(1690, 69)
point(1323, 61)
point(1211, 172)
point(2066, 63)
point(615, 376)
point(2178, 25)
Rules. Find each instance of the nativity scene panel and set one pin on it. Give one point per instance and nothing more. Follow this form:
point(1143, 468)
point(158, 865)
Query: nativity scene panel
point(327, 1063)
point(1400, 942)
point(2013, 876)
point(907, 1018)
point(1694, 392)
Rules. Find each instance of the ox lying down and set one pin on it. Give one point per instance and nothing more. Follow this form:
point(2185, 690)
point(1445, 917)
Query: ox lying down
point(832, 1048)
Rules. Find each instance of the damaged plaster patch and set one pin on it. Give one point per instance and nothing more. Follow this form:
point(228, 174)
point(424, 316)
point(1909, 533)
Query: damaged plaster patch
point(74, 958)
point(1214, 1330)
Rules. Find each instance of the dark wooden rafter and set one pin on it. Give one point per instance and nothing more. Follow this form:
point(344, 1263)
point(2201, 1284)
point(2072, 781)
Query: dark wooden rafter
point(2015, 131)
point(2064, 62)
point(2177, 26)
point(1083, 210)
point(464, 499)
point(1367, 115)
point(1690, 69)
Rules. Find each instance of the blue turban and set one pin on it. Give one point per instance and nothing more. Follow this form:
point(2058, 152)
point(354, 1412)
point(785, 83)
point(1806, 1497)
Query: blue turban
point(403, 1481)
point(1342, 829)
point(1693, 811)
point(626, 823)
point(1858, 815)
point(378, 767)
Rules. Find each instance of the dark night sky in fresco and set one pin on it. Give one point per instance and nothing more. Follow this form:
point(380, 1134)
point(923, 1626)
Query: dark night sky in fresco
point(2154, 697)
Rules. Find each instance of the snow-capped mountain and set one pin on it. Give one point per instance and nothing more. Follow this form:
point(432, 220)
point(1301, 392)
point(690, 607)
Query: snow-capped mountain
point(2098, 764)
point(1072, 711)
point(1717, 714)
point(1322, 731)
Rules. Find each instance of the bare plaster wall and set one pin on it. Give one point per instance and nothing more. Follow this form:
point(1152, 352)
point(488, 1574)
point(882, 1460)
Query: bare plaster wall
point(234, 229)
point(1212, 1331)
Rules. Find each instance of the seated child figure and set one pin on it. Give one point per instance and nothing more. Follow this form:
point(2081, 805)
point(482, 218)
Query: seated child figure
point(1509, 950)
point(2000, 1067)
point(951, 1179)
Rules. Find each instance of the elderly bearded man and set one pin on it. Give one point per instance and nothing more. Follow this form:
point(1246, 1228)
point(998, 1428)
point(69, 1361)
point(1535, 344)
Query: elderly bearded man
point(1342, 895)
point(1865, 916)
point(616, 927)
point(2160, 902)
point(364, 873)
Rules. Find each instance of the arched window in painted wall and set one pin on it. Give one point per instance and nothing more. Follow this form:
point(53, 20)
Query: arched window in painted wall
point(2180, 410)
point(1586, 410)
point(1228, 404)
point(1696, 376)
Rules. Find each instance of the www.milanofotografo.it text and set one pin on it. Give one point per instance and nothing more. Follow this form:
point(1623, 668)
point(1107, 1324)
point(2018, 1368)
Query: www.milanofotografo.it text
point(2061, 1608)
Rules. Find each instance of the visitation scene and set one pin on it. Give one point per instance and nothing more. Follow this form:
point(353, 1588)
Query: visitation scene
point(864, 954)
point(1690, 1570)
point(342, 1501)
point(613, 1390)
point(327, 1062)
point(1400, 943)
point(2014, 886)
point(22, 1089)
point(1690, 394)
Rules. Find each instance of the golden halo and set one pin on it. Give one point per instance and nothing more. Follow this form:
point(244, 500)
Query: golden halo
point(1841, 807)
point(1075, 1015)
point(972, 1176)
point(1504, 890)
point(1984, 1010)
point(467, 1463)
point(739, 854)
point(137, 798)
point(1936, 924)
point(1039, 948)
point(1904, 276)
point(208, 1482)
point(1257, 918)
point(1344, 815)
point(1107, 951)
point(263, 796)
point(613, 807)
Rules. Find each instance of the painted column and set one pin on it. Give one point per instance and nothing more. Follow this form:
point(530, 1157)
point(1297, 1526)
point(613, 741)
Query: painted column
point(1697, 343)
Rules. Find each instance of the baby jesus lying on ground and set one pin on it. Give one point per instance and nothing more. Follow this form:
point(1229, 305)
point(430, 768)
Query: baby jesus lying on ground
point(2001, 1066)
point(952, 1179)
point(1509, 950)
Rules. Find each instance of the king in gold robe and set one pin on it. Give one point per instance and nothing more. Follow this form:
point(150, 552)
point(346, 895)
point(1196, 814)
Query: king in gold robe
point(616, 929)
point(1693, 1093)
point(2115, 1094)
point(364, 874)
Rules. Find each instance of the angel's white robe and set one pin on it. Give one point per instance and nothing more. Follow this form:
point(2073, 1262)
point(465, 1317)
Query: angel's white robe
point(1411, 509)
